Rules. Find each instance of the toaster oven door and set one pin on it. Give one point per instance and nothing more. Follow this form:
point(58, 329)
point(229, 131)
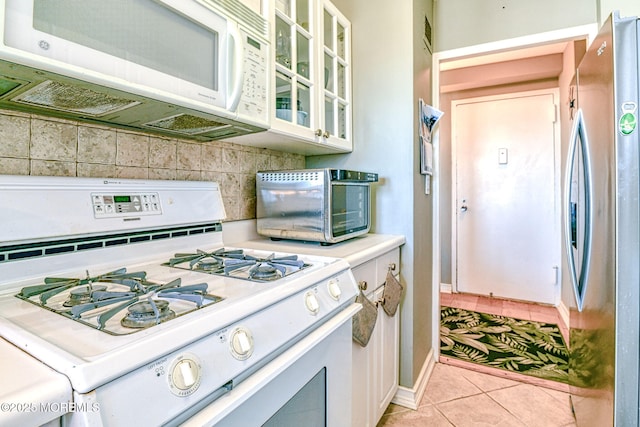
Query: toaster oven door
point(349, 209)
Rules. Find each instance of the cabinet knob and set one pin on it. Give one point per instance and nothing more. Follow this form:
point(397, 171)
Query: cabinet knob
point(392, 266)
point(362, 285)
point(326, 134)
point(318, 132)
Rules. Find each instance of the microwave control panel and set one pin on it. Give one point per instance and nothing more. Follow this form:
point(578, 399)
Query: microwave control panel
point(253, 102)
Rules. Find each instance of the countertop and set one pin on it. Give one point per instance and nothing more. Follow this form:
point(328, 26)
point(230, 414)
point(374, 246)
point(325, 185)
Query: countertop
point(31, 392)
point(355, 251)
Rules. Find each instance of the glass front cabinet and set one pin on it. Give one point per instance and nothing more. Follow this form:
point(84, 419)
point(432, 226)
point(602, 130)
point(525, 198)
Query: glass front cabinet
point(311, 44)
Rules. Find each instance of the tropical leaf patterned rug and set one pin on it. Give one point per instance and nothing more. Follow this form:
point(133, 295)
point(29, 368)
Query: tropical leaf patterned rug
point(523, 346)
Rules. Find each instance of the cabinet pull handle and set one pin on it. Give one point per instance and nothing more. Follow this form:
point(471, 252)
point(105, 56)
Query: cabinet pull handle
point(362, 285)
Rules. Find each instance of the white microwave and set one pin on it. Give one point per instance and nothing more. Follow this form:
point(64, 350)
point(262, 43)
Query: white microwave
point(192, 67)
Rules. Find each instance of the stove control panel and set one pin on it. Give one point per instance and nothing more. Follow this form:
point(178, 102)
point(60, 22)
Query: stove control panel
point(117, 205)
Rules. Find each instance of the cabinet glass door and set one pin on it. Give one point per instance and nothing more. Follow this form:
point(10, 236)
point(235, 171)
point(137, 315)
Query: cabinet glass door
point(335, 69)
point(294, 61)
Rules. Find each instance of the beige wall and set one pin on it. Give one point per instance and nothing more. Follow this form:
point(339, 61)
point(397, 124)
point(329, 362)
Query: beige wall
point(625, 7)
point(37, 145)
point(391, 70)
point(463, 23)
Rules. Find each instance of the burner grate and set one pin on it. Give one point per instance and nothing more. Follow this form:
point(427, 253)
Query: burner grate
point(238, 264)
point(118, 295)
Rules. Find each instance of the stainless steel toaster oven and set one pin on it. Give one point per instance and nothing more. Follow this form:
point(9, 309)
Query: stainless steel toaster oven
point(318, 205)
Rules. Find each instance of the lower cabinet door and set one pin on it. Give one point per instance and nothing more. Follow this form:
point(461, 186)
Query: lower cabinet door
point(375, 367)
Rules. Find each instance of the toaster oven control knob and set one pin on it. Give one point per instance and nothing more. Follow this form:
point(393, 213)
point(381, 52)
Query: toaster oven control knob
point(311, 302)
point(334, 289)
point(241, 342)
point(184, 375)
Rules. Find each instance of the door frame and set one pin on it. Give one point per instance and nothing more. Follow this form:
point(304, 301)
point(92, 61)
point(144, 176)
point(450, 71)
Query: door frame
point(557, 183)
point(589, 32)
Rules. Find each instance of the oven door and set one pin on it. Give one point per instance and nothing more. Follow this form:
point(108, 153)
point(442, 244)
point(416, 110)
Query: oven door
point(307, 385)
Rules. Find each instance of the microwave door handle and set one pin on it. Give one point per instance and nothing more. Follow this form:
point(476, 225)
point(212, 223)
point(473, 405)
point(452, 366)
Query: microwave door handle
point(235, 67)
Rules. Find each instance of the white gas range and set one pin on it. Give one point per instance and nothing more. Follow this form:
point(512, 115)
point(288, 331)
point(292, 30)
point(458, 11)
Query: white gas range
point(126, 289)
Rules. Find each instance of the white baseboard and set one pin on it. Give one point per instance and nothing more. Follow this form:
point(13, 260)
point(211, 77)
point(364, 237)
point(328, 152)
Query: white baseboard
point(411, 397)
point(446, 287)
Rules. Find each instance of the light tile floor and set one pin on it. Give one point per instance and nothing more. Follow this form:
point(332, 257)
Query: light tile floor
point(461, 397)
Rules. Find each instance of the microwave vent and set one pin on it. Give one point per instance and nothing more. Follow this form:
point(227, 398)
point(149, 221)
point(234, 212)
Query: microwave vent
point(187, 124)
point(74, 99)
point(293, 176)
point(242, 14)
point(226, 132)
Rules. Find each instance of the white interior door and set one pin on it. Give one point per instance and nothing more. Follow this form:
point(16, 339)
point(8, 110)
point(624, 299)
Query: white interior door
point(506, 201)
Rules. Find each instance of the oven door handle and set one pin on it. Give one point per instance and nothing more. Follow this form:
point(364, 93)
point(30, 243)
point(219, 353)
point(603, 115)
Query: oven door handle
point(220, 408)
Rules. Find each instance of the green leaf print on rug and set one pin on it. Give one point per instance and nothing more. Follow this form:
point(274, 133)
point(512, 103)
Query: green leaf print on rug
point(524, 346)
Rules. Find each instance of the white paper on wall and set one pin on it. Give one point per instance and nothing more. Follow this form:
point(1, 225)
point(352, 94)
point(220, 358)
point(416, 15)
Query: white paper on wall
point(429, 117)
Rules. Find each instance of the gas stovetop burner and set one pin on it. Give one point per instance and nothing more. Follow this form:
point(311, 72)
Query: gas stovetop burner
point(238, 264)
point(132, 301)
point(265, 269)
point(204, 261)
point(53, 286)
point(143, 314)
point(83, 294)
point(264, 272)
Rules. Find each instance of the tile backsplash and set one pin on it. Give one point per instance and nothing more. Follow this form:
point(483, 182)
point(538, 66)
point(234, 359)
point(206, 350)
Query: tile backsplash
point(38, 145)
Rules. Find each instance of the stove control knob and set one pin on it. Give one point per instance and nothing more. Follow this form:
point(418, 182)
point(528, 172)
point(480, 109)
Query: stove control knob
point(334, 289)
point(184, 375)
point(311, 301)
point(241, 342)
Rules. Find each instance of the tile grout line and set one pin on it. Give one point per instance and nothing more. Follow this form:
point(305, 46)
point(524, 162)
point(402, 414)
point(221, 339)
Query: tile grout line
point(507, 409)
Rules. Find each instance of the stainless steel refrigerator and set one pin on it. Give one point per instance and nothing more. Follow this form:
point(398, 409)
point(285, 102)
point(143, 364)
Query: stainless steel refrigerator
point(602, 230)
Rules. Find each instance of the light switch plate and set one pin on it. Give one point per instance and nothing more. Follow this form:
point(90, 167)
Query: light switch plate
point(502, 156)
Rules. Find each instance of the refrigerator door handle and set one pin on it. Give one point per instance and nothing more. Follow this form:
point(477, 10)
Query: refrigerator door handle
point(578, 145)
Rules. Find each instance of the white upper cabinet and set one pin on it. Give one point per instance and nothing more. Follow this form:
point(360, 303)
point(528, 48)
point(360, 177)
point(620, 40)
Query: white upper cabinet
point(310, 93)
point(335, 112)
point(312, 74)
